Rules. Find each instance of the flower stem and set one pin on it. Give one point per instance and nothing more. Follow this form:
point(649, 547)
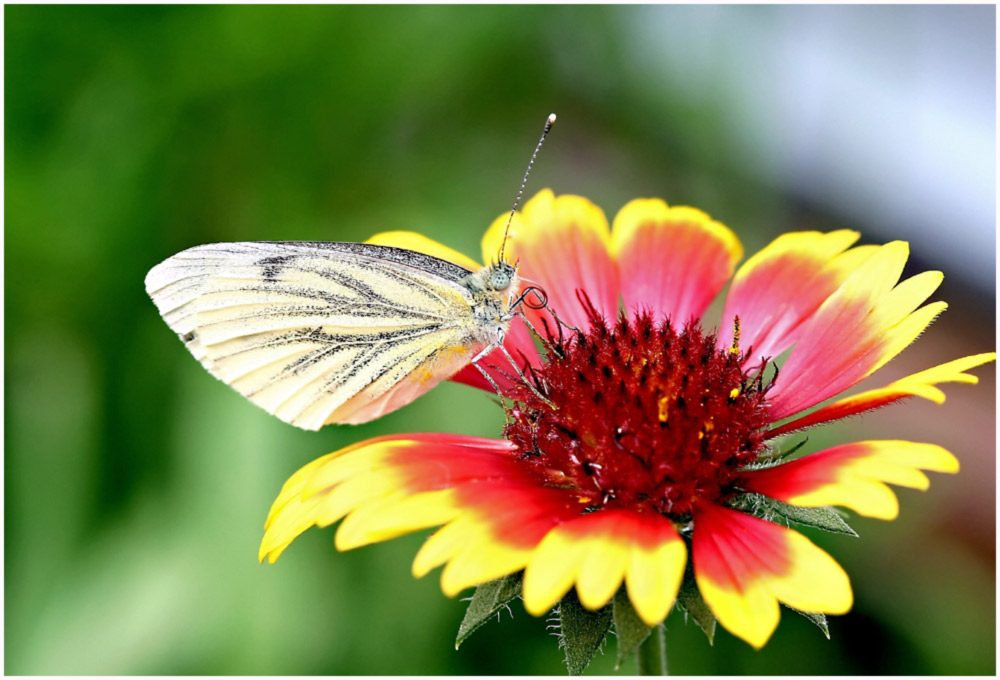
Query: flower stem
point(651, 656)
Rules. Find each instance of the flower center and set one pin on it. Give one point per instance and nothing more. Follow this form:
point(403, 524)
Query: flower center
point(645, 417)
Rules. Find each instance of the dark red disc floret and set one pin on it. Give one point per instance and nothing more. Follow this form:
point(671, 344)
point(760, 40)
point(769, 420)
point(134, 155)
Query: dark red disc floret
point(641, 416)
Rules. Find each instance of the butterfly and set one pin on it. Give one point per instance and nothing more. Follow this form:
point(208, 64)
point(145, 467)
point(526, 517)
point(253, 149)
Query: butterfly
point(328, 332)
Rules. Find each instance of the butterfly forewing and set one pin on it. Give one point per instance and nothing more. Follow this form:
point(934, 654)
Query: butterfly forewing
point(318, 332)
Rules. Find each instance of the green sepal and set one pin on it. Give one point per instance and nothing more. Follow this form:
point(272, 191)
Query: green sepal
point(818, 619)
point(772, 456)
point(823, 518)
point(629, 628)
point(488, 599)
point(690, 601)
point(581, 632)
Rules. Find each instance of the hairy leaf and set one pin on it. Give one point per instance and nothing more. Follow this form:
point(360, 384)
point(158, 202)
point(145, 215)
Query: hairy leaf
point(488, 599)
point(689, 599)
point(817, 618)
point(824, 518)
point(630, 629)
point(581, 631)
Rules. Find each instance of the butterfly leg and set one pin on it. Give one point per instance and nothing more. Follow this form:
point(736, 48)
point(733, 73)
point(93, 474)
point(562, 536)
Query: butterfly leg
point(543, 303)
point(527, 382)
point(531, 327)
point(489, 378)
point(548, 341)
point(560, 321)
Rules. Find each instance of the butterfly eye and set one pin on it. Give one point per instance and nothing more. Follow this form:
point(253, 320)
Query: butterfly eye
point(500, 279)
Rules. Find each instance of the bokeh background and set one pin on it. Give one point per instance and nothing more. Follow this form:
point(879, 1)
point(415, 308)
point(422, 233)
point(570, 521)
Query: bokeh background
point(136, 485)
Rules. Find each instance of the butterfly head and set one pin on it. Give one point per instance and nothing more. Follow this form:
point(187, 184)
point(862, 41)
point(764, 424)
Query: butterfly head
point(493, 280)
point(501, 275)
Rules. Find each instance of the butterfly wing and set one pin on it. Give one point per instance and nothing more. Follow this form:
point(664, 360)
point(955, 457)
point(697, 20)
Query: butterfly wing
point(318, 332)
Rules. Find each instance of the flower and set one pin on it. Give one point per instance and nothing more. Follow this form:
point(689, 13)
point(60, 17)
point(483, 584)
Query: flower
point(654, 432)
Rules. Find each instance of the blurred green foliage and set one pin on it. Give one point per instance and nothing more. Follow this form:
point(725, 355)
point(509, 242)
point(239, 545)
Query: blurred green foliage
point(136, 485)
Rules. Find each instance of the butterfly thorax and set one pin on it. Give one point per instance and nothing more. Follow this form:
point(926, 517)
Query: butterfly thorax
point(492, 290)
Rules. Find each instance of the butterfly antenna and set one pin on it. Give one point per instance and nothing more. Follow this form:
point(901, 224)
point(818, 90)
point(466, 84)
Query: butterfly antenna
point(548, 126)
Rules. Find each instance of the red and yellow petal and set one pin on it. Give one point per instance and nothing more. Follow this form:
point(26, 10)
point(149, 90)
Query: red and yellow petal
point(920, 384)
point(373, 476)
point(596, 552)
point(672, 261)
point(864, 324)
point(563, 245)
point(745, 566)
point(778, 288)
point(493, 509)
point(500, 525)
point(853, 476)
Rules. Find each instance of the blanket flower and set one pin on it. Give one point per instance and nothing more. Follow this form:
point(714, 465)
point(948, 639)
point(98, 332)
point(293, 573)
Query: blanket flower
point(646, 433)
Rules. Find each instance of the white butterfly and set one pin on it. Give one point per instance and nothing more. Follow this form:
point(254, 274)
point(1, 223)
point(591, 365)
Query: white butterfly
point(320, 333)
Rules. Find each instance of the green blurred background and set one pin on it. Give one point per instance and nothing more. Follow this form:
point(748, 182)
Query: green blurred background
point(136, 485)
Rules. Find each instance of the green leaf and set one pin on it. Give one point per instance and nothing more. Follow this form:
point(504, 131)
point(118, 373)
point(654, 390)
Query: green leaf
point(818, 619)
point(689, 599)
point(581, 631)
point(488, 599)
point(630, 629)
point(824, 518)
